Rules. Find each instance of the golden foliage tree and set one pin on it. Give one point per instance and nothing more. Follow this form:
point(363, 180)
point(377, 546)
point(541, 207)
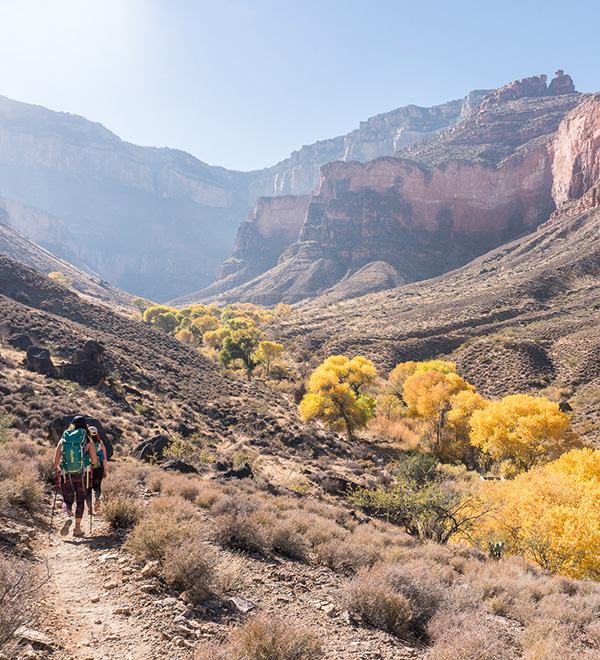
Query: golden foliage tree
point(268, 352)
point(523, 429)
point(334, 394)
point(429, 395)
point(550, 515)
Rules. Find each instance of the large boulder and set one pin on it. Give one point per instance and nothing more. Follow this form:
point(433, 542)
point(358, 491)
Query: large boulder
point(86, 373)
point(86, 366)
point(38, 359)
point(20, 341)
point(60, 424)
point(243, 471)
point(94, 350)
point(153, 449)
point(179, 466)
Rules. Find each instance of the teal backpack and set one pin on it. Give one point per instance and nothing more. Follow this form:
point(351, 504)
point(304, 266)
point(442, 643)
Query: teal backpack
point(74, 456)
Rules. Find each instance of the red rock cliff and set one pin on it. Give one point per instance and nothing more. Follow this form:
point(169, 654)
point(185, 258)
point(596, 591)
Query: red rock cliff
point(576, 168)
point(269, 228)
point(423, 222)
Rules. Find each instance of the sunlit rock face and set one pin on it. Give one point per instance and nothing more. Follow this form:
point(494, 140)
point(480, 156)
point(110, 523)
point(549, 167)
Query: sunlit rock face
point(379, 136)
point(273, 224)
point(433, 207)
point(576, 151)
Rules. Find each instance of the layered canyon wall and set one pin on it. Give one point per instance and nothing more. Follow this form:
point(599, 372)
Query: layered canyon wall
point(576, 150)
point(434, 207)
point(152, 221)
point(379, 136)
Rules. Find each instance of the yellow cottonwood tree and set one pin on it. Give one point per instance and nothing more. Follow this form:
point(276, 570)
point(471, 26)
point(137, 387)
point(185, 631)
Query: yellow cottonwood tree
point(524, 429)
point(550, 515)
point(268, 352)
point(334, 394)
point(428, 394)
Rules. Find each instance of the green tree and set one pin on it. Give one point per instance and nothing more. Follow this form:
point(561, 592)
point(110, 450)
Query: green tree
point(241, 345)
point(141, 304)
point(422, 499)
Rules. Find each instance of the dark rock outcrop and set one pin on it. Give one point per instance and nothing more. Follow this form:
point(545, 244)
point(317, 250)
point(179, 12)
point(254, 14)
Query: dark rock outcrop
point(38, 359)
point(86, 367)
point(179, 466)
point(243, 471)
point(152, 449)
point(20, 340)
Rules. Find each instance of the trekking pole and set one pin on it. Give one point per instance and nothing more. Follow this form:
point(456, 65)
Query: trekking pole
point(54, 503)
point(91, 496)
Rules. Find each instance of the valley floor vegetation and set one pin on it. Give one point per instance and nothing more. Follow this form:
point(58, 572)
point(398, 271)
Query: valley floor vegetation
point(465, 527)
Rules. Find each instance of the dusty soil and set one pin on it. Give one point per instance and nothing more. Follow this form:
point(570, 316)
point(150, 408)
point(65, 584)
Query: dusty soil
point(99, 606)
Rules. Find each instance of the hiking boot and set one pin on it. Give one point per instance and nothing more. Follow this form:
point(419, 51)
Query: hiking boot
point(66, 526)
point(78, 532)
point(96, 506)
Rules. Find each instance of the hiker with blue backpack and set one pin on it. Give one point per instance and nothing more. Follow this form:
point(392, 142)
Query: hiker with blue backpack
point(99, 470)
point(74, 456)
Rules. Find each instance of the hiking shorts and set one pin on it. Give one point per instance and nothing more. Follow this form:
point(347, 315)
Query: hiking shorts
point(74, 490)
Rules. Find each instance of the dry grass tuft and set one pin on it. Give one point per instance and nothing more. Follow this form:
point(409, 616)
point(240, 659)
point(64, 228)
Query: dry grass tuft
point(122, 511)
point(265, 637)
point(168, 521)
point(468, 636)
point(374, 598)
point(191, 566)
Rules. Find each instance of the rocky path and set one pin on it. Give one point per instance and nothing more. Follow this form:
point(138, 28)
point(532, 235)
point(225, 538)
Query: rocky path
point(99, 605)
point(95, 608)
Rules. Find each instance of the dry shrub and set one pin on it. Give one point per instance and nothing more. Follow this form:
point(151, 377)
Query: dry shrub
point(467, 637)
point(230, 572)
point(208, 497)
point(413, 582)
point(377, 605)
point(398, 430)
point(24, 491)
point(19, 586)
point(191, 566)
point(122, 511)
point(345, 555)
point(315, 528)
point(168, 521)
point(189, 490)
point(288, 542)
point(547, 640)
point(122, 480)
point(237, 530)
point(265, 637)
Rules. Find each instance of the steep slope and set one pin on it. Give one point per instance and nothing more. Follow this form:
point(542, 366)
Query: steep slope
point(158, 222)
point(152, 221)
point(469, 189)
point(15, 245)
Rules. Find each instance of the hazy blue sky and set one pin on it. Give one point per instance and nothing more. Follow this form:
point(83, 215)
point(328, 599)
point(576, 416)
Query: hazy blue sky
point(242, 83)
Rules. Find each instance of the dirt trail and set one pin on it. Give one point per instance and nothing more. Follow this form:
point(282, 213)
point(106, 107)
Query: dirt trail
point(93, 612)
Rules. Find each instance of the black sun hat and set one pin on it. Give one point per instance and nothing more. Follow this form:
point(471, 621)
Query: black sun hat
point(79, 422)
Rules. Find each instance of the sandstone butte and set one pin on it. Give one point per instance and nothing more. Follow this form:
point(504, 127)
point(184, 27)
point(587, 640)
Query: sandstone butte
point(525, 150)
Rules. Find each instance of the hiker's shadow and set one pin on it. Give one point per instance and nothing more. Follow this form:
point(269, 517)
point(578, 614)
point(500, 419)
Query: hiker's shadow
point(97, 542)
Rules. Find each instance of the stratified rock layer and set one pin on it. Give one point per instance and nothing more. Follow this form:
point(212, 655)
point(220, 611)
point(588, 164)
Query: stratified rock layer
point(435, 207)
point(576, 167)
